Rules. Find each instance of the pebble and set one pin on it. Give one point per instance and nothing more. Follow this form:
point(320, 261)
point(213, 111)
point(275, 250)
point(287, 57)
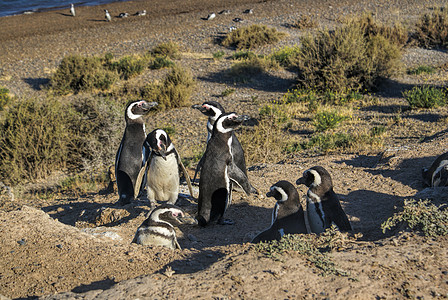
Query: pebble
point(22, 242)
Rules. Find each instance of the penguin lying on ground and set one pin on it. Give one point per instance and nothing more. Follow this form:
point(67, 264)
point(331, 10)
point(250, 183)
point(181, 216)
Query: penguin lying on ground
point(323, 207)
point(130, 156)
point(214, 110)
point(163, 168)
point(220, 172)
point(437, 174)
point(287, 216)
point(158, 228)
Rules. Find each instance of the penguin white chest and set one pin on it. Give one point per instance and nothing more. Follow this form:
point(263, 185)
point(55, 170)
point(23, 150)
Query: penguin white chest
point(163, 180)
point(436, 180)
point(156, 236)
point(315, 212)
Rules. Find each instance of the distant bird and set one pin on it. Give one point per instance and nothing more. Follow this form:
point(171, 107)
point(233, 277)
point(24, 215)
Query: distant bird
point(108, 18)
point(140, 13)
point(238, 20)
point(123, 15)
point(232, 28)
point(211, 16)
point(72, 10)
point(224, 12)
point(248, 11)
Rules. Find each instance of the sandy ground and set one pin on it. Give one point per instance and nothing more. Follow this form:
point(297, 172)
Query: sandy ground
point(66, 247)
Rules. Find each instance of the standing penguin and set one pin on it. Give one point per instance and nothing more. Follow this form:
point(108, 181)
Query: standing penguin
point(107, 15)
point(158, 228)
point(163, 168)
point(437, 174)
point(287, 215)
point(220, 172)
point(130, 155)
point(72, 10)
point(323, 207)
point(214, 110)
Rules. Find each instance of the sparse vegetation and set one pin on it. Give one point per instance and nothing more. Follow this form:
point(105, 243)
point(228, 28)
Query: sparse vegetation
point(304, 22)
point(167, 50)
point(243, 55)
point(329, 61)
point(432, 29)
point(160, 63)
point(242, 70)
point(5, 98)
point(218, 54)
point(129, 66)
point(286, 57)
point(252, 36)
point(227, 92)
point(327, 119)
point(420, 215)
point(421, 70)
point(425, 97)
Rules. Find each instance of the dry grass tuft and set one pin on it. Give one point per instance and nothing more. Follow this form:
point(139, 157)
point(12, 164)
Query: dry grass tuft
point(252, 36)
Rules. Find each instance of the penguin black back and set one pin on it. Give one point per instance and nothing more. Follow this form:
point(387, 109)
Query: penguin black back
point(287, 216)
point(437, 174)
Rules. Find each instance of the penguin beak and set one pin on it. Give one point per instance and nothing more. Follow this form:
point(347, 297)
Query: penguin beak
point(241, 119)
point(148, 105)
point(162, 152)
point(269, 194)
point(300, 181)
point(199, 107)
point(188, 220)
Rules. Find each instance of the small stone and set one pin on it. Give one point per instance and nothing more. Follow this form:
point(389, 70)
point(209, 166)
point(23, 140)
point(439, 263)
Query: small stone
point(59, 246)
point(22, 242)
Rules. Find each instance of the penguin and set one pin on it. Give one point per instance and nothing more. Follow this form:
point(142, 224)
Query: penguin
point(437, 174)
point(220, 172)
point(211, 16)
point(130, 155)
point(163, 168)
point(72, 10)
point(323, 206)
point(158, 228)
point(140, 13)
point(213, 110)
point(287, 216)
point(108, 18)
point(123, 15)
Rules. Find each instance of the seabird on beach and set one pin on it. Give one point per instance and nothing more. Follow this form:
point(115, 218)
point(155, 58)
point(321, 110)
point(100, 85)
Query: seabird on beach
point(237, 20)
point(224, 12)
point(211, 16)
point(108, 18)
point(248, 11)
point(123, 15)
point(140, 13)
point(72, 10)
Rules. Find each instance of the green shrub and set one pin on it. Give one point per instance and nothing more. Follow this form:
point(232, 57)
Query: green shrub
point(243, 55)
point(246, 68)
point(299, 96)
point(252, 36)
point(218, 54)
point(432, 29)
point(421, 70)
point(286, 57)
point(425, 97)
point(420, 215)
point(330, 61)
point(168, 50)
point(175, 90)
point(325, 120)
point(130, 66)
point(34, 140)
point(161, 62)
point(5, 98)
point(275, 112)
point(77, 74)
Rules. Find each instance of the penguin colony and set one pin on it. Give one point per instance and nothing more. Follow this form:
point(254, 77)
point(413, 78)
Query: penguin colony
point(107, 16)
point(151, 164)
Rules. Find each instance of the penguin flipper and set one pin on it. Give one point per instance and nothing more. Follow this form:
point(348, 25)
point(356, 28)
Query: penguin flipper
point(177, 244)
point(238, 177)
point(139, 180)
point(184, 170)
point(338, 216)
point(199, 167)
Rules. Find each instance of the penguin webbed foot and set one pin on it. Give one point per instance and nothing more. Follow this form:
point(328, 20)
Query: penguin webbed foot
point(226, 222)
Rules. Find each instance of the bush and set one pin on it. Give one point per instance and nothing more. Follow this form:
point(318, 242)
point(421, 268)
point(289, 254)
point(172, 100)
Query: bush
point(161, 62)
point(420, 215)
point(218, 54)
point(252, 36)
point(247, 68)
point(432, 29)
point(5, 98)
point(421, 70)
point(286, 57)
point(77, 74)
point(167, 50)
point(330, 61)
point(325, 120)
point(34, 140)
point(304, 22)
point(130, 66)
point(425, 97)
point(243, 55)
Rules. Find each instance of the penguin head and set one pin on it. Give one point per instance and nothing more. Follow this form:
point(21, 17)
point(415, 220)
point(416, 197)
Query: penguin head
point(137, 109)
point(212, 109)
point(160, 142)
point(316, 177)
point(228, 122)
point(171, 214)
point(283, 191)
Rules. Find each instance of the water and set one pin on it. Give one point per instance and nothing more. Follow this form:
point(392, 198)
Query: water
point(16, 7)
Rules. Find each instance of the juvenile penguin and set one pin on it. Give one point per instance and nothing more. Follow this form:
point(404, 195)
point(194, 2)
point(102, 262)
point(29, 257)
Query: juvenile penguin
point(323, 207)
point(130, 155)
point(72, 10)
point(214, 110)
point(220, 172)
point(158, 228)
point(287, 215)
point(107, 16)
point(163, 168)
point(437, 174)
